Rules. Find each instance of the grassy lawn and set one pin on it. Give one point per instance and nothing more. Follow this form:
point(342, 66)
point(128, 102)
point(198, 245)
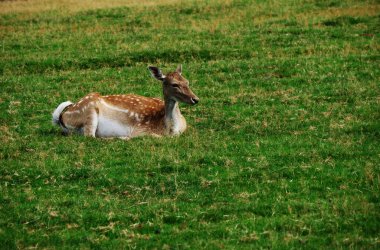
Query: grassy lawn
point(283, 150)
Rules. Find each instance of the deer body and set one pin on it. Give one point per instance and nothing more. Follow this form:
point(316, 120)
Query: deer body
point(127, 116)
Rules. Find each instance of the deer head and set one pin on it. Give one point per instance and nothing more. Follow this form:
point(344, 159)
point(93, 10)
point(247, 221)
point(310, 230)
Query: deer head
point(175, 86)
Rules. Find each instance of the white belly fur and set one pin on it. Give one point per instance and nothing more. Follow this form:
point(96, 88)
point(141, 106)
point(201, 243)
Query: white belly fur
point(111, 128)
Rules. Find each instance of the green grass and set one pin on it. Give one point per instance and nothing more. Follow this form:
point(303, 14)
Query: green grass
point(281, 152)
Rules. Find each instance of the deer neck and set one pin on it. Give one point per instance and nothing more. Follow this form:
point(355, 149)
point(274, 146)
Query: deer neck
point(174, 121)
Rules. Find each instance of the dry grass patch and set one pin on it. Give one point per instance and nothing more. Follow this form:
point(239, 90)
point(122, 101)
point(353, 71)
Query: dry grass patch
point(70, 6)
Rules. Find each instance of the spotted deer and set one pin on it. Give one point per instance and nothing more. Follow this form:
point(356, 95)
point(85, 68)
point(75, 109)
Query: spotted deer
point(127, 116)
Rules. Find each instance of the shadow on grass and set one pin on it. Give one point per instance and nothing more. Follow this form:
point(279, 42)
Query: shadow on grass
point(116, 61)
point(52, 132)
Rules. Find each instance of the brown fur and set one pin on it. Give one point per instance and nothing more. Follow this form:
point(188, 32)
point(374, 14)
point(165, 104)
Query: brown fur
point(141, 115)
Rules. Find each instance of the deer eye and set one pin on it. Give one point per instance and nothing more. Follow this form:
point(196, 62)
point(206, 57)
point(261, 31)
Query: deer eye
point(175, 85)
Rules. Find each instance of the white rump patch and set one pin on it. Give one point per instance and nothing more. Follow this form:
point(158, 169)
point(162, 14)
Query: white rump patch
point(57, 112)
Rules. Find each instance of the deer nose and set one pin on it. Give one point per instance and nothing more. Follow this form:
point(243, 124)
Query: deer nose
point(195, 100)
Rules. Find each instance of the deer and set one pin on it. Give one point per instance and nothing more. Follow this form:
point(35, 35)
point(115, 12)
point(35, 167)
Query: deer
point(128, 115)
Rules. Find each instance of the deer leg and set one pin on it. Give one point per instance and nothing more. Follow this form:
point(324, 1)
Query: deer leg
point(91, 124)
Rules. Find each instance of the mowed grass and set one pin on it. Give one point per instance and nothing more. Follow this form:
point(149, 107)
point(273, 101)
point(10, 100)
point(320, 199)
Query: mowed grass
point(281, 152)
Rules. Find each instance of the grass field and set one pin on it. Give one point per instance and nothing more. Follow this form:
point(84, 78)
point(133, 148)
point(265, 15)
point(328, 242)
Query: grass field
point(281, 152)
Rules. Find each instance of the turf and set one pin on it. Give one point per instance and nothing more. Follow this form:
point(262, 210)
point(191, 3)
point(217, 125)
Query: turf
point(281, 152)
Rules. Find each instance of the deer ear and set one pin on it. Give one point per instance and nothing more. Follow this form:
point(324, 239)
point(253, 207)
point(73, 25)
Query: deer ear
point(156, 73)
point(179, 69)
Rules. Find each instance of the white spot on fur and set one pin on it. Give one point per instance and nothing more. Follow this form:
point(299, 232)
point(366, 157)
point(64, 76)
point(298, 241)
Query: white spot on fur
point(73, 112)
point(115, 108)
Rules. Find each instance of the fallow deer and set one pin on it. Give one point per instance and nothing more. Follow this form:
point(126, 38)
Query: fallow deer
point(127, 116)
